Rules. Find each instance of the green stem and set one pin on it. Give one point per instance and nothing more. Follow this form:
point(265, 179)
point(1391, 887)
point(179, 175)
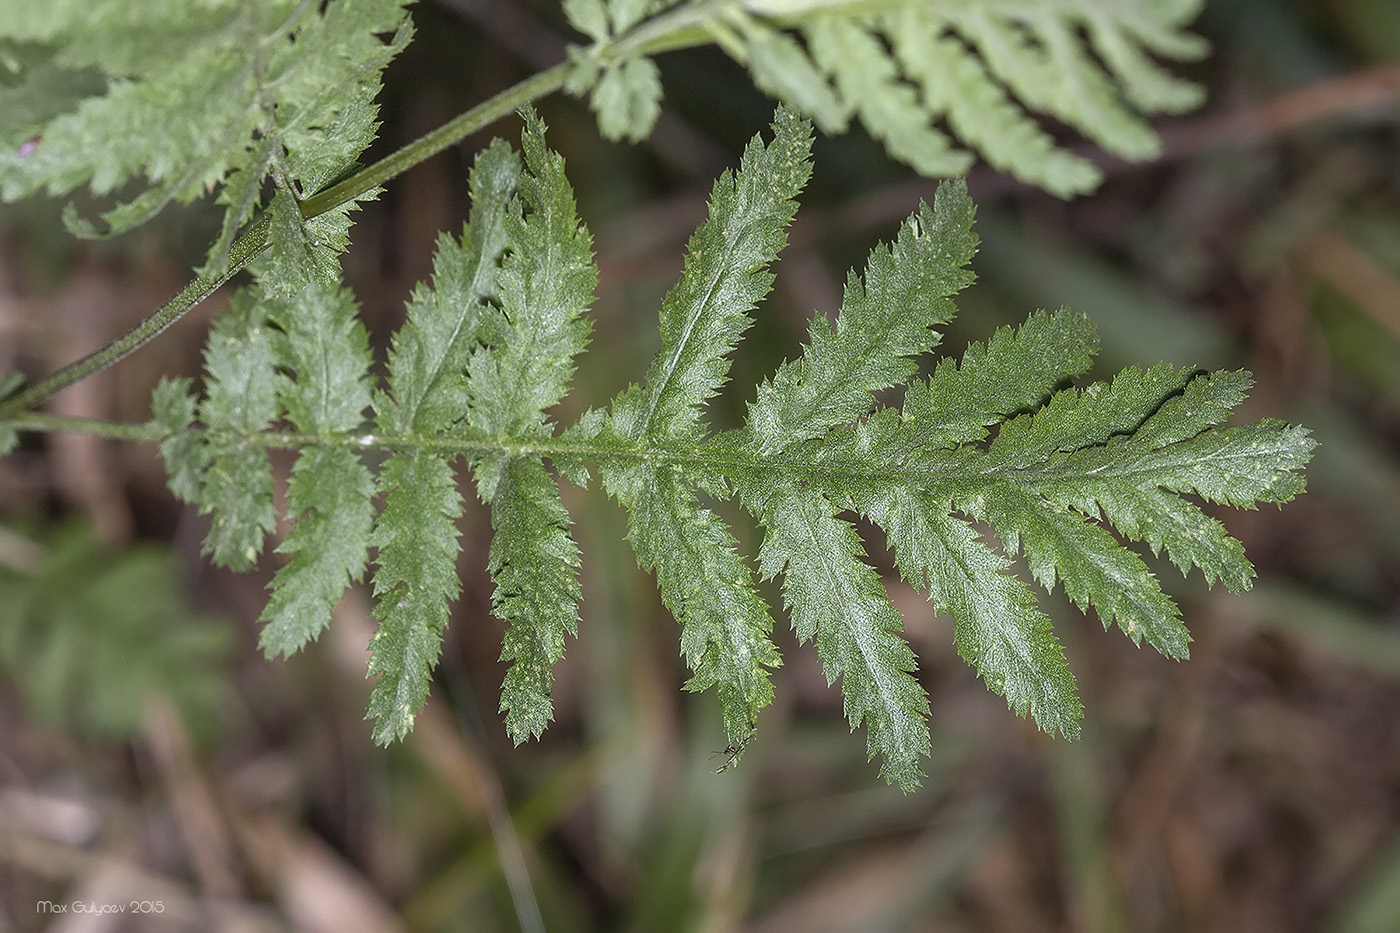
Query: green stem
point(680, 28)
point(453, 131)
point(252, 242)
point(45, 423)
point(729, 462)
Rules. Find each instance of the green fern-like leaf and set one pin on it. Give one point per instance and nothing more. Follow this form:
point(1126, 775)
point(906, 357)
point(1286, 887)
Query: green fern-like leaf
point(416, 538)
point(923, 76)
point(997, 627)
point(523, 368)
point(486, 371)
point(710, 590)
point(543, 286)
point(240, 400)
point(240, 92)
point(989, 457)
point(534, 562)
point(885, 322)
point(327, 355)
point(427, 396)
point(987, 67)
point(816, 445)
point(836, 598)
point(627, 98)
point(725, 276)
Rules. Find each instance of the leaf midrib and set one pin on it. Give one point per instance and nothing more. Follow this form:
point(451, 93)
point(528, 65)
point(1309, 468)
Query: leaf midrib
point(730, 463)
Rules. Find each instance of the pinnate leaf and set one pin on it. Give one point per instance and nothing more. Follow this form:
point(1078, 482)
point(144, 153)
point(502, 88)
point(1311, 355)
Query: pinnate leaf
point(836, 597)
point(240, 400)
point(416, 539)
point(1013, 372)
point(997, 627)
point(884, 324)
point(240, 93)
point(545, 283)
point(724, 626)
point(329, 489)
point(534, 562)
point(522, 368)
point(725, 275)
point(325, 350)
point(415, 532)
point(924, 76)
point(428, 359)
point(993, 456)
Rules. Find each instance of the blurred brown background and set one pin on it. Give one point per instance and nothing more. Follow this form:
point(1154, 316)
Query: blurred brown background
point(149, 754)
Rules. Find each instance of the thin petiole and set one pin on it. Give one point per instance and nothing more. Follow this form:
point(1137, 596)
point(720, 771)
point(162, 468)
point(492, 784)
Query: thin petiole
point(255, 239)
point(252, 242)
point(680, 28)
point(430, 144)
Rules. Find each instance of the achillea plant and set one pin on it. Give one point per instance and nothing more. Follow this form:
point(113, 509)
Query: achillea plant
point(271, 103)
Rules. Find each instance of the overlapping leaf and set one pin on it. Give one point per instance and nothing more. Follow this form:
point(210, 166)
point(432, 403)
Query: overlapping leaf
point(1061, 469)
point(924, 76)
point(326, 352)
point(984, 70)
point(241, 399)
point(238, 91)
point(415, 533)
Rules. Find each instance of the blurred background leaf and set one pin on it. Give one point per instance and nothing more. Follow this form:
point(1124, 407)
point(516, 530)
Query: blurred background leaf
point(93, 638)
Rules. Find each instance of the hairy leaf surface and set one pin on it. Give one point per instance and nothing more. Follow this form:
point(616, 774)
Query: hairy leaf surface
point(523, 368)
point(416, 539)
point(725, 275)
point(415, 534)
point(326, 351)
point(987, 458)
point(534, 562)
point(923, 76)
point(724, 626)
point(240, 92)
point(240, 400)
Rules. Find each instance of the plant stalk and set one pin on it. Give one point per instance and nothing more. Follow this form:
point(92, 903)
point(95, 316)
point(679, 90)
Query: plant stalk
point(681, 28)
point(476, 446)
point(430, 144)
point(252, 242)
point(41, 422)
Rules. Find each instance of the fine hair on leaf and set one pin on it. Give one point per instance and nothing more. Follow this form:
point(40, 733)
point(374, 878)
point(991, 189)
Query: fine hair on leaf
point(990, 456)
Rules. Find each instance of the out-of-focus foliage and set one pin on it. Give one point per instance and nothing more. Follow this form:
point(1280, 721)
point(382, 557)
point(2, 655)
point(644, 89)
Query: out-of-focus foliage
point(92, 637)
point(984, 69)
point(188, 98)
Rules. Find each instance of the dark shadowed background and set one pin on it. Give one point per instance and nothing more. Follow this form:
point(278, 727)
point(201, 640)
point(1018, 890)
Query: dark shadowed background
point(149, 754)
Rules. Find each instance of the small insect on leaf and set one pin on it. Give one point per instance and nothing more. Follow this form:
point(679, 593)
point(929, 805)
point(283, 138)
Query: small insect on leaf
point(732, 753)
